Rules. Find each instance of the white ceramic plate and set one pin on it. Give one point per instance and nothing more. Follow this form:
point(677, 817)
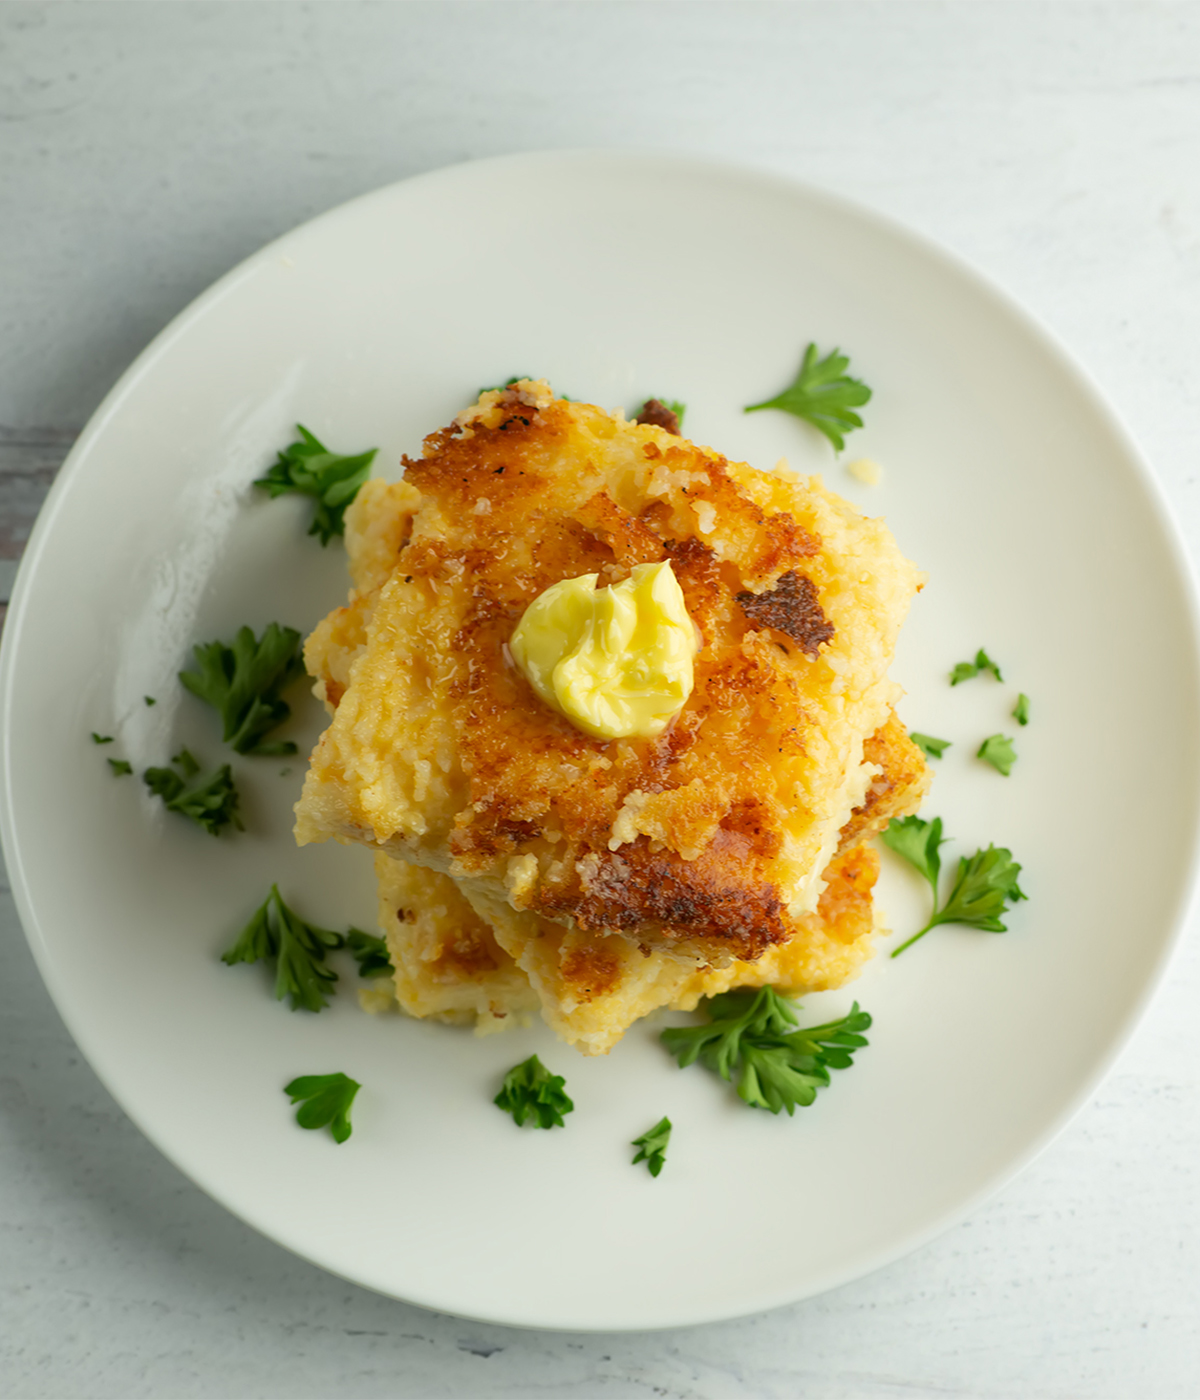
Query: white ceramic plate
point(617, 276)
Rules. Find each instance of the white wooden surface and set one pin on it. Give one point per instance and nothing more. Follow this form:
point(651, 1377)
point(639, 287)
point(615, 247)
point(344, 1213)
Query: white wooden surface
point(146, 148)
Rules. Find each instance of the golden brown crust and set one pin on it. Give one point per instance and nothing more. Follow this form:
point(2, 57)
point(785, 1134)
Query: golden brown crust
point(591, 969)
point(845, 904)
point(655, 412)
point(899, 786)
point(714, 897)
point(707, 842)
point(629, 538)
point(791, 607)
point(593, 986)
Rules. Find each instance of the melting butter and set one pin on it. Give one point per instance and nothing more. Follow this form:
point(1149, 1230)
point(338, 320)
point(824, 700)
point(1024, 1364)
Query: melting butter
point(616, 661)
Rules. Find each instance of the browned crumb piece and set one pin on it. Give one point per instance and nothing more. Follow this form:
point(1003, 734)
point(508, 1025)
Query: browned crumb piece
point(715, 896)
point(845, 908)
point(658, 415)
point(899, 785)
point(791, 607)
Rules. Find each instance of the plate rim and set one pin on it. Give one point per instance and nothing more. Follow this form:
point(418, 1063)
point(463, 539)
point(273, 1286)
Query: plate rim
point(1182, 568)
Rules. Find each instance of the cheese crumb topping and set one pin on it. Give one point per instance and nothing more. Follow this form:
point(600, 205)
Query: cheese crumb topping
point(870, 473)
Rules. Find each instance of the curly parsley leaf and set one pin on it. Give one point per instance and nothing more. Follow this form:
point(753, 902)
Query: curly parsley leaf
point(929, 746)
point(326, 1100)
point(918, 842)
point(149, 700)
point(965, 670)
point(997, 749)
point(370, 953)
point(986, 883)
point(243, 683)
point(822, 394)
point(530, 1089)
point(652, 1146)
point(309, 468)
point(120, 767)
point(101, 738)
point(208, 799)
point(1021, 709)
point(276, 934)
point(751, 1040)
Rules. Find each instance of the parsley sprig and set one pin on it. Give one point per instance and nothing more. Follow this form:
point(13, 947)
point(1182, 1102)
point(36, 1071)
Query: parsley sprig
point(997, 749)
point(370, 953)
point(243, 683)
point(984, 887)
point(822, 394)
point(966, 670)
point(929, 746)
point(311, 469)
point(652, 1146)
point(326, 1102)
point(919, 843)
point(208, 799)
point(276, 934)
point(751, 1040)
point(530, 1090)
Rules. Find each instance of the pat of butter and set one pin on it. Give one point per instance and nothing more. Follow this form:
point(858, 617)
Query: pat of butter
point(616, 661)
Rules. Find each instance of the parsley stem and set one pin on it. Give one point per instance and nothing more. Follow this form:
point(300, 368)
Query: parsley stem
point(908, 942)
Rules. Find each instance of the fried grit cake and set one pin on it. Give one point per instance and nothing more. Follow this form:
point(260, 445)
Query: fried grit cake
point(708, 844)
point(458, 958)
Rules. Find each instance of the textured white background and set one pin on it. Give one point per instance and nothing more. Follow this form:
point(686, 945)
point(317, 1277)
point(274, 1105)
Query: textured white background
point(144, 149)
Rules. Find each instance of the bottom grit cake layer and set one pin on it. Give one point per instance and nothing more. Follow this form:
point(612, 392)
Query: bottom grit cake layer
point(463, 956)
point(708, 843)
